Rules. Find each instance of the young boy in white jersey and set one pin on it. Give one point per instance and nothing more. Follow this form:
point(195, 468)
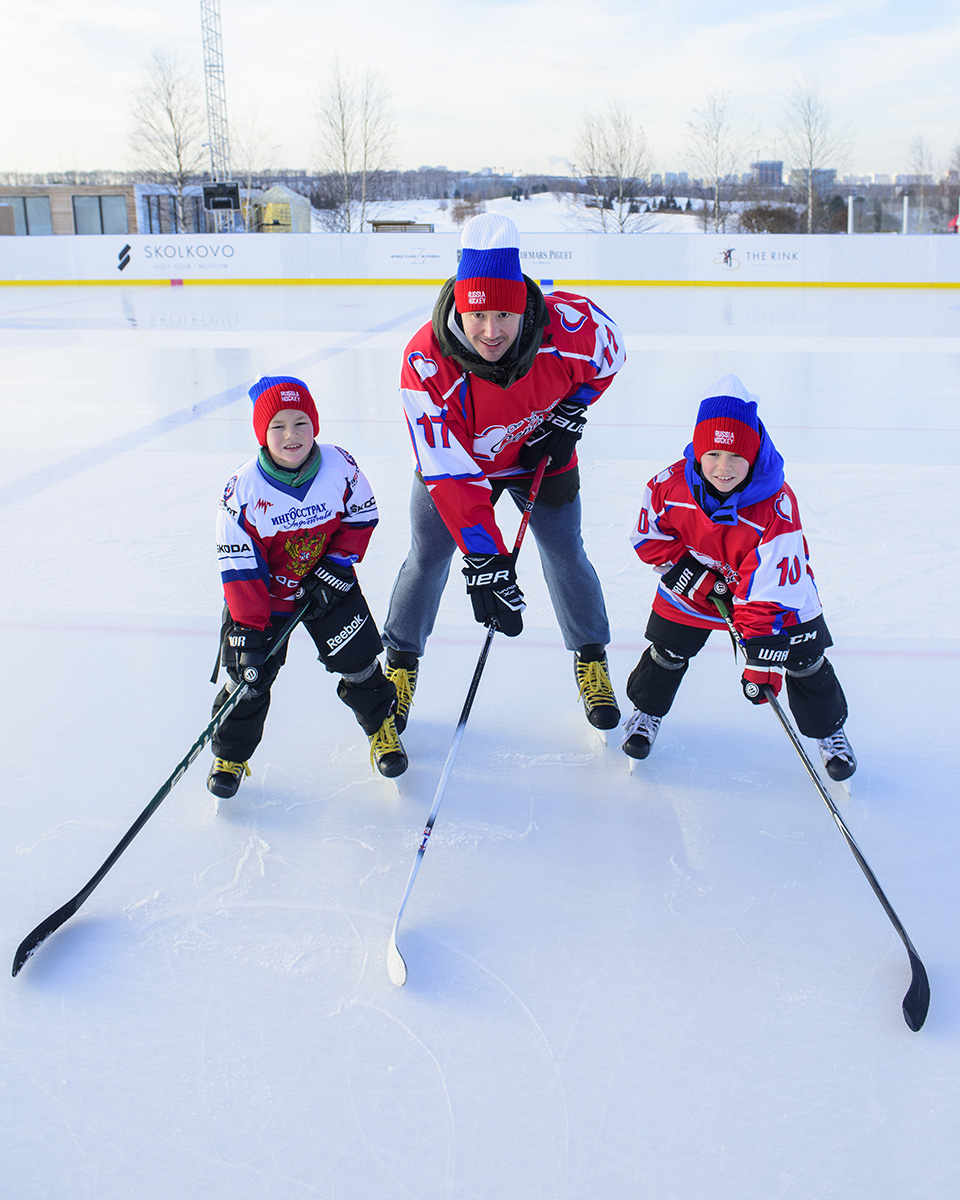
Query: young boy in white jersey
point(724, 512)
point(292, 523)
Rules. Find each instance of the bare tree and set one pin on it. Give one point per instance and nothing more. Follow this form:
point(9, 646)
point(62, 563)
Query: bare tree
point(356, 135)
point(611, 153)
point(814, 142)
point(715, 151)
point(251, 155)
point(922, 168)
point(169, 123)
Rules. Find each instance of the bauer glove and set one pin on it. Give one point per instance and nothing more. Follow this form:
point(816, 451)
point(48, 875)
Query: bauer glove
point(766, 658)
point(556, 437)
point(492, 587)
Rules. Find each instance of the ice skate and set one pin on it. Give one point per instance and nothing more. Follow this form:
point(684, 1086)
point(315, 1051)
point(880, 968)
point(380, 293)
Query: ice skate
point(386, 752)
point(639, 734)
point(225, 778)
point(596, 691)
point(402, 671)
point(838, 758)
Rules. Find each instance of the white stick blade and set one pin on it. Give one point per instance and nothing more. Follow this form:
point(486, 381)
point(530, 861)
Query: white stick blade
point(396, 967)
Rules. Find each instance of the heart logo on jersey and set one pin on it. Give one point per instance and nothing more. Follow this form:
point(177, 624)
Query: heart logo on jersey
point(784, 507)
point(424, 367)
point(570, 318)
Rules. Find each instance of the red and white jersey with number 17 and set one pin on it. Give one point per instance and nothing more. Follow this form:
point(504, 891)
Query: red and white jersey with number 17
point(466, 430)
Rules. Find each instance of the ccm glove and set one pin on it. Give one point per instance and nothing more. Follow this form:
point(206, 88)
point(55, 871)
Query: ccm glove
point(326, 585)
point(556, 437)
point(766, 659)
point(492, 586)
point(695, 581)
point(243, 655)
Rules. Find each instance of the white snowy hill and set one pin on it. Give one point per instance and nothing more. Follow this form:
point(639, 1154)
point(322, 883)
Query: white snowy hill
point(548, 212)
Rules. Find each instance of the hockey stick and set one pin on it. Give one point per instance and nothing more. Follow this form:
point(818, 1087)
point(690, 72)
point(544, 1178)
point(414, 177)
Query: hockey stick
point(916, 1002)
point(55, 920)
point(396, 967)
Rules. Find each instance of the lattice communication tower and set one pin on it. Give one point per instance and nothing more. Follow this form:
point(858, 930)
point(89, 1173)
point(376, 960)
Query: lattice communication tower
point(216, 90)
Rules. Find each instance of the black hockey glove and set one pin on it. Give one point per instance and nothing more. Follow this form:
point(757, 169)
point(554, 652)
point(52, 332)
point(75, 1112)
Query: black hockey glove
point(243, 654)
point(492, 586)
point(695, 581)
point(556, 437)
point(326, 585)
point(766, 658)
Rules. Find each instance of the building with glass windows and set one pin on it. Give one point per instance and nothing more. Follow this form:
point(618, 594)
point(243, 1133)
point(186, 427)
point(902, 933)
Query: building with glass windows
point(44, 209)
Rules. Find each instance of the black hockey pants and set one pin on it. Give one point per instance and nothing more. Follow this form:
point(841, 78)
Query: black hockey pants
point(348, 642)
point(814, 693)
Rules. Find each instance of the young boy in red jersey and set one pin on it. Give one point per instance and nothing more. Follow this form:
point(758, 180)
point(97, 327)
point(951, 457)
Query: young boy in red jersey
point(292, 523)
point(724, 512)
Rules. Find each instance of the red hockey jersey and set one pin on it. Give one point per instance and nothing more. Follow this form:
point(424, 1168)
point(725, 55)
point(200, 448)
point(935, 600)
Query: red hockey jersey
point(466, 430)
point(269, 534)
point(762, 556)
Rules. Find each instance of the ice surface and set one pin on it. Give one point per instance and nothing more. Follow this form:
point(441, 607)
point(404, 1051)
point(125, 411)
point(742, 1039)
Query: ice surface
point(673, 985)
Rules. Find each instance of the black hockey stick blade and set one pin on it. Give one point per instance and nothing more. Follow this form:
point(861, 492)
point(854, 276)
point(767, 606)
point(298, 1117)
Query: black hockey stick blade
point(917, 1000)
point(66, 911)
point(43, 931)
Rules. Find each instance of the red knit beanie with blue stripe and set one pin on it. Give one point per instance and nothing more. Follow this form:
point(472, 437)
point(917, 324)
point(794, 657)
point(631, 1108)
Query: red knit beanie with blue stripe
point(728, 420)
point(273, 393)
point(489, 278)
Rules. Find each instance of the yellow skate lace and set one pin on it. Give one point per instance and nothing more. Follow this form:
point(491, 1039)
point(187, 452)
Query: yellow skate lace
point(404, 679)
point(232, 768)
point(385, 741)
point(594, 683)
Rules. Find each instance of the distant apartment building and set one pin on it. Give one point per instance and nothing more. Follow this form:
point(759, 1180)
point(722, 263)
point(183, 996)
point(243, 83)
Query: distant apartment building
point(824, 179)
point(768, 174)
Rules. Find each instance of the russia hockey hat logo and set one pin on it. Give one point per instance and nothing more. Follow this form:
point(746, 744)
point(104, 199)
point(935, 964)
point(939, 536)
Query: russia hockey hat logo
point(489, 278)
point(728, 421)
point(273, 393)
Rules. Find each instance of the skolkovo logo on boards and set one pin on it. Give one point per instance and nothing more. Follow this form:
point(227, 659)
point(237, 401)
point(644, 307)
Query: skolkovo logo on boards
point(203, 255)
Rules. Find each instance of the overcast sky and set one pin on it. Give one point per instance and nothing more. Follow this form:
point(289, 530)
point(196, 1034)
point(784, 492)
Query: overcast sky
point(500, 84)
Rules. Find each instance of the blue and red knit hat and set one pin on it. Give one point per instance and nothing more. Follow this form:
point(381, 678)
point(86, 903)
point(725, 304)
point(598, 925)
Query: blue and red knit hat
point(489, 278)
point(273, 393)
point(727, 420)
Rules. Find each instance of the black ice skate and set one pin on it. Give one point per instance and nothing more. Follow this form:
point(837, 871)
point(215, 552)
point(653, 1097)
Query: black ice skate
point(838, 758)
point(596, 691)
point(386, 752)
point(639, 734)
point(402, 672)
point(225, 777)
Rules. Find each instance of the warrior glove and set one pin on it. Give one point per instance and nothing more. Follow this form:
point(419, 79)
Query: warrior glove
point(492, 587)
point(556, 437)
point(766, 658)
point(695, 581)
point(326, 585)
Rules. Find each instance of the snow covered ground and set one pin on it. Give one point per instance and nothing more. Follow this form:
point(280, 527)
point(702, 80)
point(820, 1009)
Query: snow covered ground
point(674, 985)
point(542, 213)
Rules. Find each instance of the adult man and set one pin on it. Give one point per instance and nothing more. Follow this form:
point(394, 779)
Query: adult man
point(501, 378)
